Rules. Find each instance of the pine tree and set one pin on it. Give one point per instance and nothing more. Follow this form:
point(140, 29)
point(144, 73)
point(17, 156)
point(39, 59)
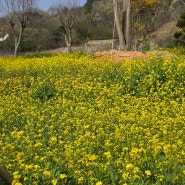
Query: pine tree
point(180, 35)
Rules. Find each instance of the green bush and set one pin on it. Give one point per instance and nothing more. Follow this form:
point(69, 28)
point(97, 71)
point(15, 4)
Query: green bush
point(180, 34)
point(45, 91)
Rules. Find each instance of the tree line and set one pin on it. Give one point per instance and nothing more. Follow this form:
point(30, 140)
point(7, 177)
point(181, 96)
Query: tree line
point(131, 21)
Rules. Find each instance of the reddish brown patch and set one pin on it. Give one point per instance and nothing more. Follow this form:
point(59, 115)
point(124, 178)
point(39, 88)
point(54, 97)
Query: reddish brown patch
point(129, 55)
point(119, 55)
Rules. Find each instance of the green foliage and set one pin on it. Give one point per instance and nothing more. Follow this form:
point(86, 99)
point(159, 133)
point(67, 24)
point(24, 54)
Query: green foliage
point(89, 5)
point(176, 50)
point(144, 46)
point(181, 21)
point(38, 55)
point(103, 30)
point(28, 45)
point(180, 34)
point(80, 32)
point(44, 91)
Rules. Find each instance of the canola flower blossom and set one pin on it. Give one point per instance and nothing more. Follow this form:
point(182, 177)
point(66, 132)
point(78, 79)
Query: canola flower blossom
point(73, 119)
point(99, 183)
point(63, 176)
point(148, 172)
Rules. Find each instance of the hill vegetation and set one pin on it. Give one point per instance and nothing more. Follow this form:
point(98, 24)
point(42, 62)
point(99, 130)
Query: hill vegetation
point(95, 20)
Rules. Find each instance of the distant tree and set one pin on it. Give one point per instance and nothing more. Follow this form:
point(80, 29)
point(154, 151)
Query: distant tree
point(121, 35)
point(80, 28)
point(18, 13)
point(67, 15)
point(133, 13)
point(89, 6)
point(43, 27)
point(99, 19)
point(183, 1)
point(126, 23)
point(180, 35)
point(144, 18)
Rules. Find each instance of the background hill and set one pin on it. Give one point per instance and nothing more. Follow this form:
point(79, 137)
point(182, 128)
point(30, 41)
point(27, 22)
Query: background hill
point(95, 21)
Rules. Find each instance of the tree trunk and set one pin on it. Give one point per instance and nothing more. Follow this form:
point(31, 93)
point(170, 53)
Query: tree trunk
point(68, 42)
point(16, 48)
point(17, 36)
point(127, 22)
point(68, 39)
point(18, 41)
point(118, 27)
point(128, 26)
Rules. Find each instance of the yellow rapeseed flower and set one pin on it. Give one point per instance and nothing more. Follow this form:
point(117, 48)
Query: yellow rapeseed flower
point(136, 170)
point(99, 183)
point(16, 175)
point(107, 154)
point(148, 172)
point(99, 114)
point(63, 176)
point(80, 179)
point(129, 166)
point(125, 175)
point(53, 139)
point(17, 183)
point(47, 173)
point(54, 181)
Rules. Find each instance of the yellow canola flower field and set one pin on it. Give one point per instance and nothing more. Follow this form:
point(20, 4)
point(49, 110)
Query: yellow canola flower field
point(71, 119)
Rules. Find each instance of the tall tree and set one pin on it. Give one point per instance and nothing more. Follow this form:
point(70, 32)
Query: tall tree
point(67, 15)
point(180, 34)
point(144, 19)
point(127, 22)
point(124, 29)
point(18, 12)
point(130, 12)
point(122, 40)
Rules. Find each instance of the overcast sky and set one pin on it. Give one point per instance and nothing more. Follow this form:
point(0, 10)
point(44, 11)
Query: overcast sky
point(45, 4)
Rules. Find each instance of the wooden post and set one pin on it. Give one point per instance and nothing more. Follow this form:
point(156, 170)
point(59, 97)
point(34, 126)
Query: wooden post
point(5, 176)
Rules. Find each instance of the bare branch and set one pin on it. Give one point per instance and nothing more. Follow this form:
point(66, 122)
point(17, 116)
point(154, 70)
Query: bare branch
point(18, 12)
point(66, 14)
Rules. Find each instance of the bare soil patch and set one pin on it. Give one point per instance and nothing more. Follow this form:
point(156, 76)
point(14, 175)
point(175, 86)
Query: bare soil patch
point(130, 55)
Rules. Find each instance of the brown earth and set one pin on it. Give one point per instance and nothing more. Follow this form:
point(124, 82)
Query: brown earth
point(130, 55)
point(118, 56)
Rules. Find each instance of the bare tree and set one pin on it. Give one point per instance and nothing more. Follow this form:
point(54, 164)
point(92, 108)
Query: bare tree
point(183, 1)
point(124, 28)
point(18, 12)
point(127, 22)
point(121, 35)
point(67, 14)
